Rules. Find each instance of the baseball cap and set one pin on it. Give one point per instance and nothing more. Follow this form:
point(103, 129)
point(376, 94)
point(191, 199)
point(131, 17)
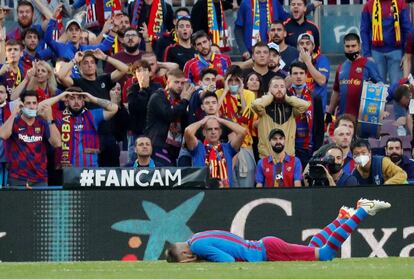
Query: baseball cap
point(72, 21)
point(276, 131)
point(306, 36)
point(273, 46)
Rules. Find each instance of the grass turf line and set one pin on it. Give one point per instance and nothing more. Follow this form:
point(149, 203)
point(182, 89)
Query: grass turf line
point(338, 268)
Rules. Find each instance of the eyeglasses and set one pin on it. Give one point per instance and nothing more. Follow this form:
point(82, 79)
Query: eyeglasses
point(183, 17)
point(131, 35)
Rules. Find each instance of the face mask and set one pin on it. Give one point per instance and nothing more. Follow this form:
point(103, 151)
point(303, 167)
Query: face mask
point(278, 148)
point(298, 87)
point(352, 56)
point(362, 160)
point(335, 168)
point(209, 88)
point(395, 158)
point(30, 113)
point(234, 88)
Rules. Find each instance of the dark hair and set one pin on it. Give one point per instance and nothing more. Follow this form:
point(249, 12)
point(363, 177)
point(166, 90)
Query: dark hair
point(347, 117)
point(181, 9)
point(401, 91)
point(206, 71)
point(259, 77)
point(360, 143)
point(28, 93)
point(24, 3)
point(276, 78)
point(197, 35)
point(89, 53)
point(304, 2)
point(278, 22)
point(234, 70)
point(13, 42)
point(142, 137)
point(140, 64)
point(352, 37)
point(208, 95)
point(333, 146)
point(183, 18)
point(74, 89)
point(259, 44)
point(30, 31)
point(176, 73)
point(171, 254)
point(393, 139)
point(298, 64)
point(134, 29)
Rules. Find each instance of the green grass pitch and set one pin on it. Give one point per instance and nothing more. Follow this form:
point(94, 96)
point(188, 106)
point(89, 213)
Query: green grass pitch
point(339, 268)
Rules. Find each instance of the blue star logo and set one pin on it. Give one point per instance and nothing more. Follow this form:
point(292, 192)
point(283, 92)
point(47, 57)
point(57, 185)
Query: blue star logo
point(162, 226)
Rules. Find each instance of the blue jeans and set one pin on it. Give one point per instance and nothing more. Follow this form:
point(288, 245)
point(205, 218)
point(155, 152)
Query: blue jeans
point(388, 64)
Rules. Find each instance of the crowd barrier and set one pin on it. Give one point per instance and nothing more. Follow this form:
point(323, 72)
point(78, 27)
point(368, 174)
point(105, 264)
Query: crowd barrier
point(137, 225)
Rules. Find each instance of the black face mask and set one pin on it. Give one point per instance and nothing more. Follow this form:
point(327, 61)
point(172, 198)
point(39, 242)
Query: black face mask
point(395, 158)
point(278, 148)
point(352, 55)
point(335, 168)
point(130, 49)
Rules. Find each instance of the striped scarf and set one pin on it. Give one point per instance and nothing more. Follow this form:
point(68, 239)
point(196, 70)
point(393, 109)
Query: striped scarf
point(90, 138)
point(377, 32)
point(255, 4)
point(216, 162)
point(218, 33)
point(156, 18)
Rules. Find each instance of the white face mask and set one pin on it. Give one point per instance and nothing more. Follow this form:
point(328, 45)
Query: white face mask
point(362, 160)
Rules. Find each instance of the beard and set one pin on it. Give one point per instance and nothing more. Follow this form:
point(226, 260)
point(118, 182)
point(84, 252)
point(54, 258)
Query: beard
point(272, 66)
point(130, 49)
point(395, 158)
point(278, 148)
point(277, 40)
point(75, 113)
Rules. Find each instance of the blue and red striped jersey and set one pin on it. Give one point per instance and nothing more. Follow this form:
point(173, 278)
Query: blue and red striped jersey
point(193, 68)
point(222, 246)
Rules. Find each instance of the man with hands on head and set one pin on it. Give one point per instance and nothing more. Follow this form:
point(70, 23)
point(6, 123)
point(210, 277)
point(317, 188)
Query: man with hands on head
point(25, 130)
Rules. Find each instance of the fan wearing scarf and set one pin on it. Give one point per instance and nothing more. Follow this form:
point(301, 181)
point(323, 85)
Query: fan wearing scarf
point(12, 72)
point(384, 28)
point(79, 127)
point(212, 153)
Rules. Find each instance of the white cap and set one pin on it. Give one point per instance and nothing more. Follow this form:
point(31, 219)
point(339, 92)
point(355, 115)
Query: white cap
point(72, 21)
point(273, 46)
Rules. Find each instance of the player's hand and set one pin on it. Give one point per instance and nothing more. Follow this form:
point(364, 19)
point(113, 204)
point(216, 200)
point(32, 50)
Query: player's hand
point(144, 31)
point(79, 56)
point(304, 56)
point(187, 92)
point(115, 94)
point(317, 3)
point(86, 96)
point(99, 54)
point(4, 69)
point(45, 111)
point(18, 105)
point(57, 11)
point(246, 55)
point(143, 78)
point(328, 118)
point(108, 25)
point(226, 85)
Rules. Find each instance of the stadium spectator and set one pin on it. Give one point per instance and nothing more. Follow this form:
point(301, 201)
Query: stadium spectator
point(99, 86)
point(205, 58)
point(143, 150)
point(384, 28)
point(235, 105)
point(170, 38)
point(304, 122)
point(298, 24)
point(73, 31)
point(212, 153)
point(182, 51)
point(280, 169)
point(274, 60)
point(277, 110)
point(159, 69)
point(207, 84)
point(374, 170)
point(318, 68)
point(167, 117)
point(253, 82)
point(79, 127)
point(349, 79)
point(347, 120)
point(403, 119)
point(408, 54)
point(261, 59)
point(277, 34)
point(394, 151)
point(5, 112)
point(26, 132)
point(128, 55)
point(209, 16)
point(40, 78)
point(12, 72)
point(30, 40)
point(343, 139)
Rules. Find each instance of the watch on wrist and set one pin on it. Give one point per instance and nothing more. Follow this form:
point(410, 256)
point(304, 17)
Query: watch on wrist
point(50, 122)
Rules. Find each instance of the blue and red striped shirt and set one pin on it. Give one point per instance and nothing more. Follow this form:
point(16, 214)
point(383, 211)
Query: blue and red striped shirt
point(193, 68)
point(222, 246)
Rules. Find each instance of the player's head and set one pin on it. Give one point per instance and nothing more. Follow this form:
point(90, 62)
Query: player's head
point(361, 152)
point(209, 103)
point(143, 147)
point(75, 102)
point(277, 140)
point(352, 46)
point(343, 137)
point(180, 253)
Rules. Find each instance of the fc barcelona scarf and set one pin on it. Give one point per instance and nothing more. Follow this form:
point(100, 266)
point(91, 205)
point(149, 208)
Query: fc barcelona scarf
point(218, 33)
point(156, 17)
point(255, 4)
point(216, 162)
point(377, 32)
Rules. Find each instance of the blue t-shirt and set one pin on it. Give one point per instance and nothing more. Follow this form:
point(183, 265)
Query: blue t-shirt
point(199, 155)
point(322, 65)
point(297, 172)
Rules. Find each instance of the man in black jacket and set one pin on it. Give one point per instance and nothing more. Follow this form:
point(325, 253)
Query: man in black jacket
point(138, 96)
point(167, 117)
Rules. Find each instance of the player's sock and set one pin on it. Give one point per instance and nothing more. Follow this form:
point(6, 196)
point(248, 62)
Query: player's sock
point(334, 243)
point(319, 239)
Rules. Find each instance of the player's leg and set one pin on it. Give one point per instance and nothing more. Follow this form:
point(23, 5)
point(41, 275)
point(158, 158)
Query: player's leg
point(365, 208)
point(279, 250)
point(319, 239)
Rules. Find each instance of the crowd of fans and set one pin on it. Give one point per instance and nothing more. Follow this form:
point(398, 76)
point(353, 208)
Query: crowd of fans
point(83, 77)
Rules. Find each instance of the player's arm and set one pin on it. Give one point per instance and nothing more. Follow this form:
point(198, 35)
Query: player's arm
point(334, 102)
point(189, 133)
point(45, 111)
point(110, 108)
point(240, 132)
point(121, 67)
point(395, 174)
point(6, 129)
point(211, 253)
